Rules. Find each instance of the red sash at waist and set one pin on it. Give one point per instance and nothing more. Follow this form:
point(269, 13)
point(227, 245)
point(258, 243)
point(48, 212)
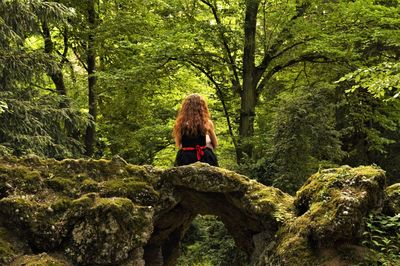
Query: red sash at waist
point(199, 150)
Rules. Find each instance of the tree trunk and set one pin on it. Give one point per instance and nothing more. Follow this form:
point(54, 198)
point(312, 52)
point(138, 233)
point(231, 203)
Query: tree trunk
point(55, 72)
point(248, 97)
point(90, 137)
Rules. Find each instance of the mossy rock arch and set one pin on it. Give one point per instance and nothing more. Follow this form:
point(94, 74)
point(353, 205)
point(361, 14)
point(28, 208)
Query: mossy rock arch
point(108, 212)
point(251, 212)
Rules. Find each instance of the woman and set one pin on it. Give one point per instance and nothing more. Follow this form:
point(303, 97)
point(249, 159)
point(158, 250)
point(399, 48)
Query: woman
point(194, 133)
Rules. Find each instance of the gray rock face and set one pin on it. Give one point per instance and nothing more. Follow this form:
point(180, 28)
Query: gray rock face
point(98, 212)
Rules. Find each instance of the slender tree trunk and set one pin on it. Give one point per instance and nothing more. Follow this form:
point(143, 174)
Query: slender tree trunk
point(248, 97)
point(90, 137)
point(55, 72)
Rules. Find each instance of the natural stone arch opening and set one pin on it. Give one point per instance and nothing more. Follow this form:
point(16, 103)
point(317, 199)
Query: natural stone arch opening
point(233, 199)
point(171, 227)
point(208, 242)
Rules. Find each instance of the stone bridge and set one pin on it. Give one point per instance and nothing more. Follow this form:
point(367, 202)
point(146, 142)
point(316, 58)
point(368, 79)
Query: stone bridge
point(98, 212)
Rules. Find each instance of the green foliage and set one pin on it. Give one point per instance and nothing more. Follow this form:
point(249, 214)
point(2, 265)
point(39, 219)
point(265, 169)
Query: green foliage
point(307, 122)
point(304, 136)
point(382, 81)
point(296, 137)
point(377, 46)
point(207, 242)
point(36, 119)
point(328, 96)
point(369, 131)
point(383, 237)
point(35, 123)
point(3, 106)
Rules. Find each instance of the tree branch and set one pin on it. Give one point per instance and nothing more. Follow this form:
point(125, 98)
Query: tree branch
point(273, 51)
point(221, 98)
point(79, 58)
point(43, 88)
point(290, 48)
point(212, 55)
point(313, 58)
point(228, 51)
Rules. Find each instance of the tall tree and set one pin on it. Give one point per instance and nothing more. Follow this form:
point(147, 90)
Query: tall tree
point(81, 38)
point(135, 91)
point(90, 136)
point(241, 54)
point(311, 131)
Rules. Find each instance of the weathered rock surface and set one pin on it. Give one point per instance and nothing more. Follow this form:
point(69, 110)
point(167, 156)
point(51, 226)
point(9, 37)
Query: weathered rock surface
point(98, 212)
point(392, 206)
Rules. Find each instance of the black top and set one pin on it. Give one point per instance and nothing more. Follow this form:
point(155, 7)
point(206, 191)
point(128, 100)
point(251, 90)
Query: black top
point(185, 157)
point(192, 141)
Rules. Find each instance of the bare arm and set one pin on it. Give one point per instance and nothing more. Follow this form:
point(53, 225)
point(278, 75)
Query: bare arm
point(178, 142)
point(211, 132)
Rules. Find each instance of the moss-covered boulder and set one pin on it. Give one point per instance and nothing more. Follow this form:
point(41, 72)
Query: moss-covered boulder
point(34, 220)
point(337, 200)
point(107, 230)
point(108, 212)
point(89, 212)
point(330, 209)
point(392, 204)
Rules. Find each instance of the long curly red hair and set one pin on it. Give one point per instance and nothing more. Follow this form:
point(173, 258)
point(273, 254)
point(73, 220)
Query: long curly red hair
point(193, 117)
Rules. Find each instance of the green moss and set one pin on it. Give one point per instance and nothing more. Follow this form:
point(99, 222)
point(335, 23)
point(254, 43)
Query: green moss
point(393, 190)
point(122, 208)
point(322, 186)
point(367, 171)
point(119, 203)
point(132, 188)
point(17, 208)
point(64, 185)
point(332, 204)
point(72, 186)
point(89, 185)
point(40, 260)
point(105, 230)
point(202, 177)
point(7, 250)
point(86, 200)
point(61, 204)
point(136, 170)
point(272, 201)
point(35, 220)
point(293, 248)
point(103, 169)
point(392, 204)
point(93, 201)
point(21, 177)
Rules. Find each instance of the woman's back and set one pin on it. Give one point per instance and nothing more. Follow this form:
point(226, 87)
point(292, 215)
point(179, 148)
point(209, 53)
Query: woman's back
point(192, 141)
point(194, 132)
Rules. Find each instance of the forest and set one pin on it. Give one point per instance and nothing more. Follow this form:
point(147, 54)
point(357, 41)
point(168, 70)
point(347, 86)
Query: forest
point(293, 86)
